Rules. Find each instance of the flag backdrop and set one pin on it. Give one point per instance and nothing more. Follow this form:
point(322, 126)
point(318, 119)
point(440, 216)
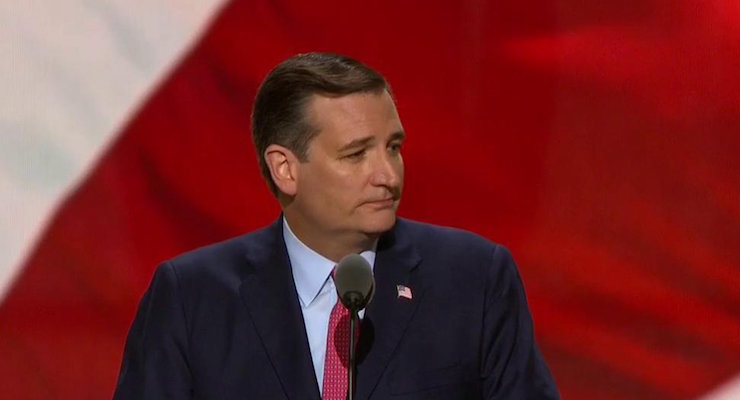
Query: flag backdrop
point(599, 141)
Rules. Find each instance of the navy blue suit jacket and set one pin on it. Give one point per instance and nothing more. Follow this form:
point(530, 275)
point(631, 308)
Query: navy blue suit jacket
point(224, 322)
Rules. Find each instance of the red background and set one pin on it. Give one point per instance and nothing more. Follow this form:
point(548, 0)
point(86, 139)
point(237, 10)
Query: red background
point(597, 140)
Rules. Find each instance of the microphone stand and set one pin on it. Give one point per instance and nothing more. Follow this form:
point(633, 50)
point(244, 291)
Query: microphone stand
point(353, 320)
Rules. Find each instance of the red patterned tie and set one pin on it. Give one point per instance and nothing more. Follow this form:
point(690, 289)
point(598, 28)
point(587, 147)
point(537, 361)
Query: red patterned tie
point(336, 363)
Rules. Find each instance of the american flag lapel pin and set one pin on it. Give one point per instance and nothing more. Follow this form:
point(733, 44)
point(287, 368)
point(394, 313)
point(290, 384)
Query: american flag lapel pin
point(404, 291)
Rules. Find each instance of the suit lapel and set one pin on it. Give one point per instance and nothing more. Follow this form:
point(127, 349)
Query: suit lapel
point(388, 314)
point(268, 291)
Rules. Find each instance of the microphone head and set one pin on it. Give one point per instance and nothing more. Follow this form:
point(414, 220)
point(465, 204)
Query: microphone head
point(353, 278)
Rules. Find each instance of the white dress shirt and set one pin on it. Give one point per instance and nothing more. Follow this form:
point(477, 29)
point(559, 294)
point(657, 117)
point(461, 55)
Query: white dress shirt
point(316, 293)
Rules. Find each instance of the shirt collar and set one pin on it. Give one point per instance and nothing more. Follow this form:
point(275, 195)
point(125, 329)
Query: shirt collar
point(311, 269)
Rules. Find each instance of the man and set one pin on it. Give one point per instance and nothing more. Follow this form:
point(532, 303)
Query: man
point(250, 318)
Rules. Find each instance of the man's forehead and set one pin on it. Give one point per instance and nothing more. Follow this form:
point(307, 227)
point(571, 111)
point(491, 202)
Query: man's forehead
point(350, 103)
point(352, 110)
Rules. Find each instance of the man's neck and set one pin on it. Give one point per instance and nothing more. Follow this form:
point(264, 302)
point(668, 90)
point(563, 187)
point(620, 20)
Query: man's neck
point(332, 245)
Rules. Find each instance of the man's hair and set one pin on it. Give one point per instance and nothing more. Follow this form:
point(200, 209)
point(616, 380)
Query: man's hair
point(279, 112)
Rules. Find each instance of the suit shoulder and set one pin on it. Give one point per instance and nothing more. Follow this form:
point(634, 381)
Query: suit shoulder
point(227, 256)
point(457, 248)
point(426, 235)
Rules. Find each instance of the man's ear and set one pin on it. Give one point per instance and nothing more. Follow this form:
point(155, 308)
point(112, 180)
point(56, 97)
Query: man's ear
point(283, 168)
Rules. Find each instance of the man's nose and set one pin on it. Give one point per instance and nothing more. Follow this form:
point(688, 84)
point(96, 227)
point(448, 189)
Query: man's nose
point(387, 171)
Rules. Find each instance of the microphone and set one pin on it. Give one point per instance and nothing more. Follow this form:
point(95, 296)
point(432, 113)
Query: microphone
point(355, 285)
point(354, 281)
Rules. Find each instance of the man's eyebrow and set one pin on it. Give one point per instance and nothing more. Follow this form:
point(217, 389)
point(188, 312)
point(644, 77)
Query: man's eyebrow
point(357, 143)
point(362, 142)
point(400, 135)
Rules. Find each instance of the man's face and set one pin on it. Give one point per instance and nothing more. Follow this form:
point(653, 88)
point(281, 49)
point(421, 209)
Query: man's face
point(353, 178)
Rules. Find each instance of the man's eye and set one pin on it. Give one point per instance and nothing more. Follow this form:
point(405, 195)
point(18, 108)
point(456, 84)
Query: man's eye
point(356, 155)
point(395, 148)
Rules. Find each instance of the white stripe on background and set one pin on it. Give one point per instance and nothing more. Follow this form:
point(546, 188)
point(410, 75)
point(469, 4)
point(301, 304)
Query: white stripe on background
point(71, 72)
point(728, 391)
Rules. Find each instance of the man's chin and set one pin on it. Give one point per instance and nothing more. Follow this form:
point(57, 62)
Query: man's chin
point(379, 224)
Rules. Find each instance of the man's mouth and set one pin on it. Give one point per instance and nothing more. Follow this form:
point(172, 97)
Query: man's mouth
point(382, 203)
